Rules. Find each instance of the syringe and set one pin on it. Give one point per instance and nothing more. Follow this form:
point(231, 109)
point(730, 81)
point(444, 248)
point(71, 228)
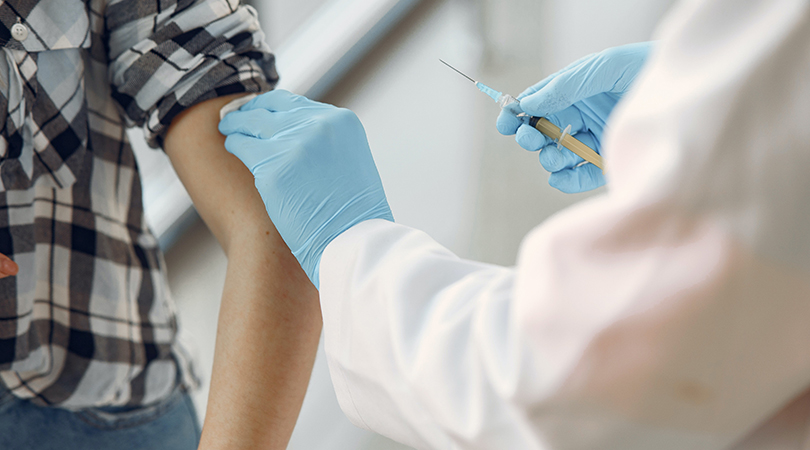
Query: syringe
point(561, 137)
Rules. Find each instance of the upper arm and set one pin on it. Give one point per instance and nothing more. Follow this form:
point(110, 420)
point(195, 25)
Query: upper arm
point(167, 56)
point(172, 65)
point(219, 184)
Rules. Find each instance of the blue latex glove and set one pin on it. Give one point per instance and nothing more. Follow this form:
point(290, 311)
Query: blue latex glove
point(582, 95)
point(312, 166)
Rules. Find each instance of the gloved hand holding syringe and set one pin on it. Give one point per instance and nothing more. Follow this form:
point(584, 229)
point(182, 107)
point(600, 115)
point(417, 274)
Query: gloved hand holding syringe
point(562, 137)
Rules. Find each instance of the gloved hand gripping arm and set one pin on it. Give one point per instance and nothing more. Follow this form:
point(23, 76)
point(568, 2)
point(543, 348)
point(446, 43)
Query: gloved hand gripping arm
point(312, 166)
point(582, 95)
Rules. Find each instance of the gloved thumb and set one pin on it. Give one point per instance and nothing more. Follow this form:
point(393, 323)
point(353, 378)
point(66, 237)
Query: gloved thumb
point(612, 70)
point(566, 88)
point(251, 151)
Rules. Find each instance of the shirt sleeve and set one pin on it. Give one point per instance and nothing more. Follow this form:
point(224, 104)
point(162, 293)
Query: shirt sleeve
point(669, 313)
point(167, 56)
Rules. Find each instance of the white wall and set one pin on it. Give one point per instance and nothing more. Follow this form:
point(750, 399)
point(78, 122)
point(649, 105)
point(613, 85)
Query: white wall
point(280, 18)
point(555, 32)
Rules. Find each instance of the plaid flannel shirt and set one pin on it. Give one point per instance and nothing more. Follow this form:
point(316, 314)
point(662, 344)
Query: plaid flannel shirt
point(88, 321)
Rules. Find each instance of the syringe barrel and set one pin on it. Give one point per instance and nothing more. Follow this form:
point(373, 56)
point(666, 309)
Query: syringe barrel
point(571, 143)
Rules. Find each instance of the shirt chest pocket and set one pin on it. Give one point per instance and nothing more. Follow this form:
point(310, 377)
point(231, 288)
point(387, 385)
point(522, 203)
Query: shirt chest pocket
point(44, 25)
point(41, 92)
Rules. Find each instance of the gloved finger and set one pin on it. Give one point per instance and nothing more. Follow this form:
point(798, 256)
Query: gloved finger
point(612, 70)
point(530, 139)
point(259, 123)
point(555, 160)
point(510, 118)
point(250, 150)
point(536, 87)
point(563, 158)
point(570, 86)
point(280, 100)
point(569, 116)
point(508, 123)
point(579, 179)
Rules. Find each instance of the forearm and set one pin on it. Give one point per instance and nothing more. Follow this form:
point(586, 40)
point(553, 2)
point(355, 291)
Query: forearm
point(270, 316)
point(266, 342)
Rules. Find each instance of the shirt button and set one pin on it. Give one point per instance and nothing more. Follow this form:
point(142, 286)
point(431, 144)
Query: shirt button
point(19, 32)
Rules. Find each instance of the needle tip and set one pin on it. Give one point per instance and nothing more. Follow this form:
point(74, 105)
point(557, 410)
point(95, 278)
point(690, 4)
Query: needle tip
point(459, 72)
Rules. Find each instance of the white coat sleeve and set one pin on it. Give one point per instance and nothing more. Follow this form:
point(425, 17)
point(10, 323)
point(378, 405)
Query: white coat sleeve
point(670, 313)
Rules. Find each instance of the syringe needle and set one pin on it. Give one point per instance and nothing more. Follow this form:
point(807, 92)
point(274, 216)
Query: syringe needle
point(540, 123)
point(459, 72)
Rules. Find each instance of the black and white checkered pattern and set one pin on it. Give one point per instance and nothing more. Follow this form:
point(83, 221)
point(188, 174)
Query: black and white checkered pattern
point(88, 320)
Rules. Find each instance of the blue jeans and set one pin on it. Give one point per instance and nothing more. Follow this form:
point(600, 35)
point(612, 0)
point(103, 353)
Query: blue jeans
point(169, 424)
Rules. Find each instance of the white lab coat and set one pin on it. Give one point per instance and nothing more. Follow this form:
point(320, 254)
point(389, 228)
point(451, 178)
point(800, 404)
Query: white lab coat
point(672, 312)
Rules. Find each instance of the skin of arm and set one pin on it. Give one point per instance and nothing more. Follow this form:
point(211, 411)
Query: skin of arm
point(270, 319)
point(8, 268)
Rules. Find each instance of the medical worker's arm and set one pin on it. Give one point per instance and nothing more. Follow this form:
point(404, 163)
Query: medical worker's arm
point(669, 313)
point(269, 319)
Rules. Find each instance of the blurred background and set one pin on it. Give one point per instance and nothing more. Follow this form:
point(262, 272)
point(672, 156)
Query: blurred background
point(445, 168)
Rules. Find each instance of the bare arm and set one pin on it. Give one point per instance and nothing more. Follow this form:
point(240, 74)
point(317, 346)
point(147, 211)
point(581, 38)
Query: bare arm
point(8, 268)
point(269, 321)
